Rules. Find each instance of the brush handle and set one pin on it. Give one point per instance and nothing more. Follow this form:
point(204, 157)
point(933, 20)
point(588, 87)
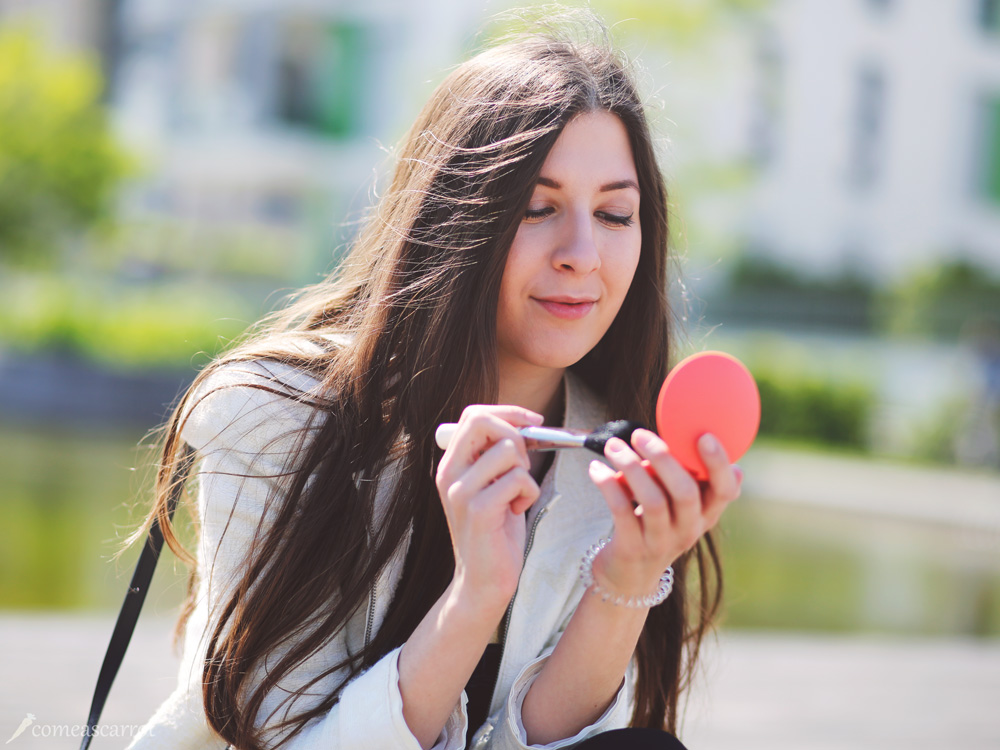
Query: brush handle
point(444, 433)
point(536, 438)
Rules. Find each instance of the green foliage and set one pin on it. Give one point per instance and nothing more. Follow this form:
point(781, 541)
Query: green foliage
point(679, 23)
point(157, 246)
point(961, 429)
point(937, 301)
point(940, 300)
point(679, 20)
point(810, 409)
point(142, 326)
point(59, 162)
point(755, 271)
point(823, 396)
point(764, 290)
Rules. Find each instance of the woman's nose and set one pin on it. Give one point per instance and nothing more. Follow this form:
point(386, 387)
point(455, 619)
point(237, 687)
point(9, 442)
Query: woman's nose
point(577, 249)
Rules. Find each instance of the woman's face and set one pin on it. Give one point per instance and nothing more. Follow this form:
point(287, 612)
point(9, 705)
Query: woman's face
point(576, 250)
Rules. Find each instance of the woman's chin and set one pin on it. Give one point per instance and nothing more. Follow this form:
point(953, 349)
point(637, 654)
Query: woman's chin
point(558, 360)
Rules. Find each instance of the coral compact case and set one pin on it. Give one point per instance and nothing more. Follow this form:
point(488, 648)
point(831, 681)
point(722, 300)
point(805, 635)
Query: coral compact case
point(708, 392)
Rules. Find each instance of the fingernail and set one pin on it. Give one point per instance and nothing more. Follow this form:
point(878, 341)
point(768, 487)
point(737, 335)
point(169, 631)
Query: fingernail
point(599, 470)
point(708, 443)
point(616, 445)
point(739, 473)
point(641, 438)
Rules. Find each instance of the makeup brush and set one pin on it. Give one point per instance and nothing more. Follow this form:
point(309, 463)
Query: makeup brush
point(707, 392)
point(554, 438)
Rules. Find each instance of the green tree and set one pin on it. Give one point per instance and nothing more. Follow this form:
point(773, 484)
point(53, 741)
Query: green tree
point(942, 300)
point(59, 160)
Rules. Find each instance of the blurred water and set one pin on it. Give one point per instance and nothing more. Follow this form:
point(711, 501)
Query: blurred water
point(794, 558)
point(70, 498)
point(835, 542)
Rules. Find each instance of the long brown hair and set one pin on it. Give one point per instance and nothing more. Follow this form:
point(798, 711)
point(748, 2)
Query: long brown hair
point(417, 300)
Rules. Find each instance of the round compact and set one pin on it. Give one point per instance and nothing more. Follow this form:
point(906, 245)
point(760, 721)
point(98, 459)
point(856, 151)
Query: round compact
point(708, 392)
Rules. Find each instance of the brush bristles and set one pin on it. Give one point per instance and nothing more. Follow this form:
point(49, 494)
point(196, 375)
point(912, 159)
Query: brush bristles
point(621, 428)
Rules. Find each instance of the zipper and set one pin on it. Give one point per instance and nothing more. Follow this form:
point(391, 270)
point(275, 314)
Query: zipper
point(371, 615)
point(506, 617)
point(371, 594)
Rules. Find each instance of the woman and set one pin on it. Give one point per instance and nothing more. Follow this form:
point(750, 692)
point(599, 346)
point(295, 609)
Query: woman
point(356, 588)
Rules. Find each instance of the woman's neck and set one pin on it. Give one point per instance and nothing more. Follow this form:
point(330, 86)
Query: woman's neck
point(541, 391)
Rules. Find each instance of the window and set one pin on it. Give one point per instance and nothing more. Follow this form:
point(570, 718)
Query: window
point(869, 115)
point(989, 15)
point(879, 6)
point(986, 164)
point(321, 83)
point(765, 112)
point(212, 92)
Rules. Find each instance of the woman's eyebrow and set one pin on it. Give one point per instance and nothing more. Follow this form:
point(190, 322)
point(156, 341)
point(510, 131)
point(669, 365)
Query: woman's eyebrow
point(611, 186)
point(620, 185)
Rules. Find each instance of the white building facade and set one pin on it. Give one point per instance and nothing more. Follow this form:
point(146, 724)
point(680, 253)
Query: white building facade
point(875, 125)
point(275, 112)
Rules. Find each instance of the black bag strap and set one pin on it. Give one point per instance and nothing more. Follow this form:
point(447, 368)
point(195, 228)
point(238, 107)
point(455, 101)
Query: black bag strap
point(134, 598)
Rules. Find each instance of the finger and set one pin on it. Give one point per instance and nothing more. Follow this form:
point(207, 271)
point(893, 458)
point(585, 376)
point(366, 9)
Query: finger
point(627, 525)
point(515, 415)
point(498, 459)
point(520, 505)
point(647, 491)
point(478, 429)
point(723, 485)
point(516, 490)
point(683, 491)
point(705, 484)
point(718, 508)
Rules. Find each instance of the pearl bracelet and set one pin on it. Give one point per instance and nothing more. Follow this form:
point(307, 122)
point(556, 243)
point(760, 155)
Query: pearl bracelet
point(633, 602)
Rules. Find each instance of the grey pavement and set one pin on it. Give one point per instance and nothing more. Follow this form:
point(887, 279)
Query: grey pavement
point(767, 690)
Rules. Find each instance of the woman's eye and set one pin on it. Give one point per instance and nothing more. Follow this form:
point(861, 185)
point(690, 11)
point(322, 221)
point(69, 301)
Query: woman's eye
point(538, 213)
point(617, 219)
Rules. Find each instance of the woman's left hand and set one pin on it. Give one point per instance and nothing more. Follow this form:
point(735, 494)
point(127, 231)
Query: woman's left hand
point(673, 512)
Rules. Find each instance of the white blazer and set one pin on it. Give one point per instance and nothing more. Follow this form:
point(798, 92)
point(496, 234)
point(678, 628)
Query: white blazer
point(242, 431)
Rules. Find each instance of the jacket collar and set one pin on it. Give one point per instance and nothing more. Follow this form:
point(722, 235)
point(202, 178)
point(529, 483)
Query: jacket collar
point(584, 411)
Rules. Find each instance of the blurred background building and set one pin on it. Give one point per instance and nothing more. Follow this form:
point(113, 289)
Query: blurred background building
point(271, 115)
point(876, 133)
point(871, 125)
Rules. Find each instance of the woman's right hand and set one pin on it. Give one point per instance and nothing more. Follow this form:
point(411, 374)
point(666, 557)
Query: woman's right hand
point(485, 487)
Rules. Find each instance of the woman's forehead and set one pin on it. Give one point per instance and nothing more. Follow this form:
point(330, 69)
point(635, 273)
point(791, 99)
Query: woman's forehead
point(593, 149)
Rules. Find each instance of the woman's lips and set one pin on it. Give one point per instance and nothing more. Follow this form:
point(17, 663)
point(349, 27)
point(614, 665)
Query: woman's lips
point(566, 310)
